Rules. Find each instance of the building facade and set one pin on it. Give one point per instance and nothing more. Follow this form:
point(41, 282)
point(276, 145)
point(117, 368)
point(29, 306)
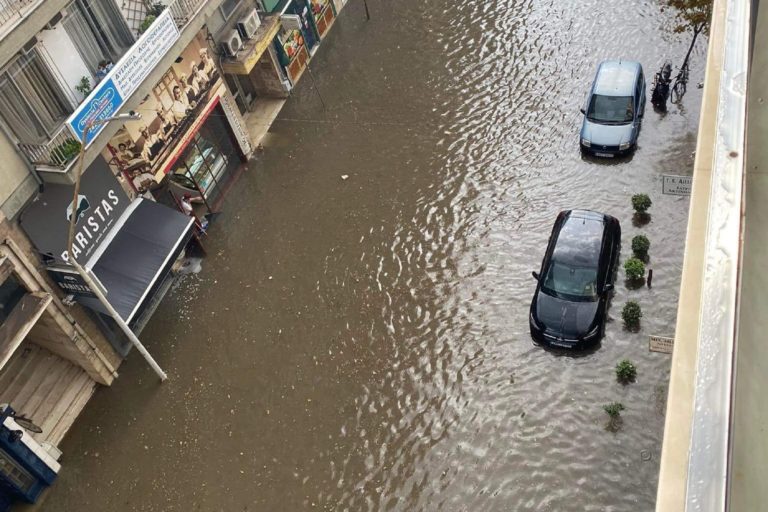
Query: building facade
point(203, 79)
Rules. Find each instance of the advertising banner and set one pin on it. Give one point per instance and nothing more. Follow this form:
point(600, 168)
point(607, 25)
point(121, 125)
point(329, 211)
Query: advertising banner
point(171, 114)
point(125, 77)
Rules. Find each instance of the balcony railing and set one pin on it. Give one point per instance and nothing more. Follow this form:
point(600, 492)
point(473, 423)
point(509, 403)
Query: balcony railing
point(12, 11)
point(58, 152)
point(61, 150)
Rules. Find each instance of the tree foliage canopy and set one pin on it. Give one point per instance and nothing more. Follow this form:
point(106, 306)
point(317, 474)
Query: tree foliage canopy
point(692, 14)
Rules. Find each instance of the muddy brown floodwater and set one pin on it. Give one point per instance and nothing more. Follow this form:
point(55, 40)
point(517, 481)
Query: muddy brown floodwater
point(362, 344)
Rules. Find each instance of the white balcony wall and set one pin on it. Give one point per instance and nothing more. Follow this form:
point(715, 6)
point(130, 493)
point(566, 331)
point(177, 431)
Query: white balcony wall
point(64, 59)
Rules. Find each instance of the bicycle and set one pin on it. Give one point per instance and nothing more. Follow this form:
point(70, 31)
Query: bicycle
point(680, 85)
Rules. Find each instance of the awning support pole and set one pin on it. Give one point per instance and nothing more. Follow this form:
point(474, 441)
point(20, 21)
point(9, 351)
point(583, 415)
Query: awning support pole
point(80, 270)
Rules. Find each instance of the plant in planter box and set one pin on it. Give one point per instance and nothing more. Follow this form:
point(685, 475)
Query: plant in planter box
point(613, 410)
point(626, 371)
point(84, 87)
point(640, 246)
point(634, 269)
point(65, 152)
point(631, 315)
point(641, 203)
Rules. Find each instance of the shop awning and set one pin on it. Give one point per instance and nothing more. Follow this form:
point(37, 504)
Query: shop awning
point(137, 254)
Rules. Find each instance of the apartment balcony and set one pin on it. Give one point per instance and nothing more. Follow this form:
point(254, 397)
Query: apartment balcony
point(55, 157)
point(20, 20)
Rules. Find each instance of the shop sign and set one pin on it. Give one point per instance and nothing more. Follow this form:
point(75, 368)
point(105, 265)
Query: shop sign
point(237, 124)
point(70, 281)
point(661, 344)
point(100, 203)
point(677, 185)
point(125, 77)
point(291, 21)
point(143, 150)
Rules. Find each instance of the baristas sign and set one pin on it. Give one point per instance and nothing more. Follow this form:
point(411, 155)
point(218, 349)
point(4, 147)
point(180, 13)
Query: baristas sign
point(99, 205)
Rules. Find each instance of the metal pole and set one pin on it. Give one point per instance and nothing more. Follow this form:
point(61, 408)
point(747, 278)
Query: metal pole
point(84, 274)
point(314, 85)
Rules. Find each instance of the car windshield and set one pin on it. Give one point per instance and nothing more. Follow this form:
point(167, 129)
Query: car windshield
point(610, 109)
point(566, 281)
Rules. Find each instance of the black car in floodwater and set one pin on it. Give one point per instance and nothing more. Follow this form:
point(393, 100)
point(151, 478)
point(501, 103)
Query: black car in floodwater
point(576, 279)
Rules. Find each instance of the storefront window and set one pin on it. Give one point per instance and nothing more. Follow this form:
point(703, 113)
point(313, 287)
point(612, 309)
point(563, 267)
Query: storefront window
point(208, 159)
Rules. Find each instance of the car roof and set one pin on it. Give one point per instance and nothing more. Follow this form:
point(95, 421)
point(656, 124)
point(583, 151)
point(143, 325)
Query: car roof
point(616, 77)
point(580, 239)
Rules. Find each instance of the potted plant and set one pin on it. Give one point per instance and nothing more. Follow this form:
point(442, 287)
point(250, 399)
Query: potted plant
point(615, 421)
point(641, 203)
point(626, 371)
point(631, 315)
point(84, 87)
point(634, 269)
point(640, 247)
point(65, 152)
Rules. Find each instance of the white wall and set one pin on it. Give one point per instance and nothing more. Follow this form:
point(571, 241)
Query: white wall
point(64, 56)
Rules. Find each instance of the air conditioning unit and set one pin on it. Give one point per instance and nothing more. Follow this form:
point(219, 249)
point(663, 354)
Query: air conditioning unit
point(232, 43)
point(249, 25)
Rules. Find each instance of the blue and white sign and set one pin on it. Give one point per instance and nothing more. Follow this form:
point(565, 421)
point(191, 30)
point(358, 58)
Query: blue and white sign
point(103, 104)
point(125, 77)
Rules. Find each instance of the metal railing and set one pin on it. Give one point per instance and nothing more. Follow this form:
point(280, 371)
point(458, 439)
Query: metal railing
point(59, 151)
point(62, 148)
point(12, 11)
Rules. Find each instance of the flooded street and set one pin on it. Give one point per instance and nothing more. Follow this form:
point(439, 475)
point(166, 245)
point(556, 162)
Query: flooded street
point(362, 344)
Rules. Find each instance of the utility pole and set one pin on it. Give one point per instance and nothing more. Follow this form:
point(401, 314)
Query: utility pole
point(95, 288)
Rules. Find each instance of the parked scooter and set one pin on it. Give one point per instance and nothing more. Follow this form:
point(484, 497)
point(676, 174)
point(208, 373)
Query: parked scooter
point(661, 83)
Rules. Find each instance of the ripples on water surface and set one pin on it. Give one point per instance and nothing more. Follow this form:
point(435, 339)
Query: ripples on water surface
point(464, 412)
point(385, 363)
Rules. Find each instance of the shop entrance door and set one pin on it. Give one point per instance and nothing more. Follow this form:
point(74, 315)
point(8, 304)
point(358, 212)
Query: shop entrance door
point(210, 157)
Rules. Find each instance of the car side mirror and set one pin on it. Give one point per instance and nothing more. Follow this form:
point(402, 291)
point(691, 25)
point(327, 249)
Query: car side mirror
point(535, 275)
point(608, 288)
point(583, 111)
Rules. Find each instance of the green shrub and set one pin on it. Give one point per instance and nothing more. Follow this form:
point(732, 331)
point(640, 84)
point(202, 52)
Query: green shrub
point(84, 87)
point(146, 23)
point(614, 409)
point(65, 152)
point(626, 371)
point(631, 314)
point(634, 269)
point(153, 11)
point(641, 202)
point(615, 421)
point(640, 246)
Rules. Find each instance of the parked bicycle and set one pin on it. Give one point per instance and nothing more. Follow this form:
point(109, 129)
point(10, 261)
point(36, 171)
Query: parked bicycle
point(681, 83)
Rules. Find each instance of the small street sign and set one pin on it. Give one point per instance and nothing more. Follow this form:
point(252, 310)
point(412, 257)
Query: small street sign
point(677, 185)
point(661, 344)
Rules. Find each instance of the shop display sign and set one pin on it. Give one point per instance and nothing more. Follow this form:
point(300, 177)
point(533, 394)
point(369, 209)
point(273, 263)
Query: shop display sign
point(100, 203)
point(125, 77)
point(143, 150)
point(317, 8)
point(237, 124)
